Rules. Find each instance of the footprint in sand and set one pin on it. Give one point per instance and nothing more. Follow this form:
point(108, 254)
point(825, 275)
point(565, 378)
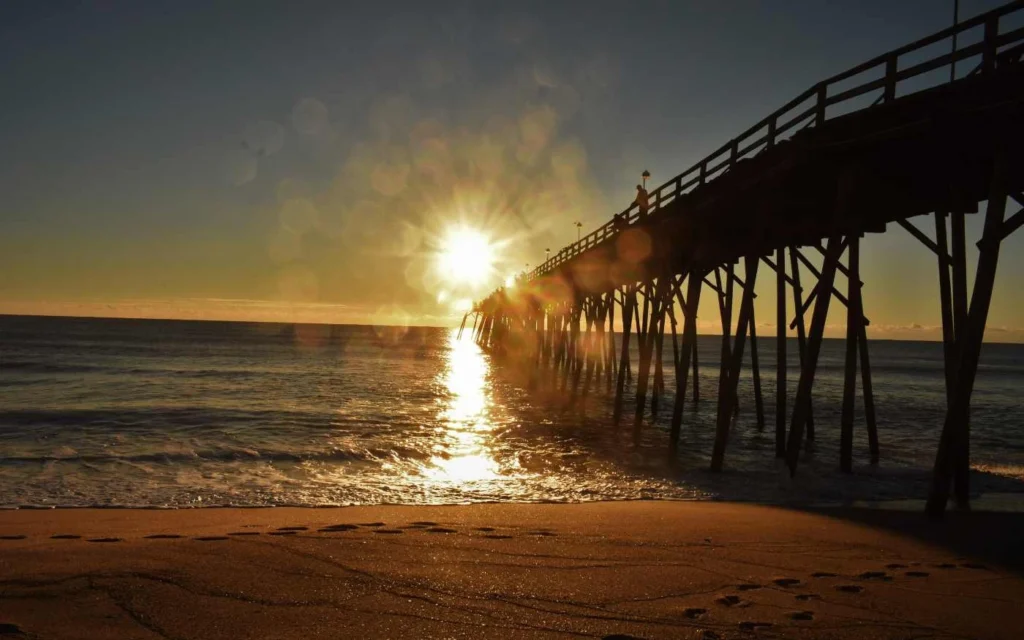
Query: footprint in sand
point(786, 582)
point(754, 626)
point(823, 574)
point(293, 528)
point(917, 574)
point(694, 612)
point(946, 565)
point(424, 523)
point(973, 565)
point(338, 528)
point(801, 615)
point(281, 533)
point(732, 601)
point(440, 530)
point(104, 540)
point(388, 531)
point(163, 536)
point(498, 536)
point(371, 524)
point(748, 587)
point(849, 588)
point(6, 628)
point(895, 565)
point(210, 538)
point(485, 529)
point(875, 575)
point(14, 537)
point(708, 634)
point(65, 536)
point(244, 533)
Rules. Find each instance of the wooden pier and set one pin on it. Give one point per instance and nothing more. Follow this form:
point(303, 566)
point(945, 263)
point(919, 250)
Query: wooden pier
point(857, 153)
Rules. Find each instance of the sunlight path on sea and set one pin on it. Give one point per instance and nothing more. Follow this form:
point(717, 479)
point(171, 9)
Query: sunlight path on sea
point(464, 452)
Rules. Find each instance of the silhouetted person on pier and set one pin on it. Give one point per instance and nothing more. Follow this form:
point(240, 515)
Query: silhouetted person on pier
point(619, 222)
point(641, 200)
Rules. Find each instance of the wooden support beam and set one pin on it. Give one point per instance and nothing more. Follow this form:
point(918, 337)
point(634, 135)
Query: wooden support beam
point(613, 365)
point(756, 371)
point(731, 373)
point(925, 240)
point(850, 378)
point(656, 292)
point(659, 347)
point(717, 288)
point(959, 253)
point(946, 301)
point(675, 338)
point(571, 344)
point(1012, 223)
point(814, 292)
point(801, 335)
point(780, 353)
point(598, 344)
point(587, 361)
point(782, 274)
point(865, 373)
point(694, 282)
point(627, 318)
point(725, 310)
point(810, 364)
point(952, 458)
point(696, 373)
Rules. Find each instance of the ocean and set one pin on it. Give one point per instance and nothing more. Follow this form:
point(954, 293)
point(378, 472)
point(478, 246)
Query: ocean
point(145, 413)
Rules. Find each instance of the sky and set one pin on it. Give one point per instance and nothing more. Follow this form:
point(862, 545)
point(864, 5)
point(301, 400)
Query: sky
point(307, 161)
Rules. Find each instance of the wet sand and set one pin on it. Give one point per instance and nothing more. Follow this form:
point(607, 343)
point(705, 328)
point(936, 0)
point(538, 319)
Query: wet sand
point(605, 570)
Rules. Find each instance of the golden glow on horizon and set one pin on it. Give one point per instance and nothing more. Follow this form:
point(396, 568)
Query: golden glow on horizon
point(466, 256)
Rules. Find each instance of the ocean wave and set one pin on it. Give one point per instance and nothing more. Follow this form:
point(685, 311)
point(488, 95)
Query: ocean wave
point(156, 417)
point(237, 454)
point(29, 366)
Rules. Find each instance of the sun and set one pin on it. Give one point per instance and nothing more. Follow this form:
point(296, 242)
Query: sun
point(466, 256)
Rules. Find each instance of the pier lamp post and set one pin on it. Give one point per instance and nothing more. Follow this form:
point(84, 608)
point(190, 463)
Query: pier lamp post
point(646, 174)
point(547, 254)
point(579, 225)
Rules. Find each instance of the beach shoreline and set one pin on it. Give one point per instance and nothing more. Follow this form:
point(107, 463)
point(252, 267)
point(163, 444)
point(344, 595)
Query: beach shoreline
point(645, 569)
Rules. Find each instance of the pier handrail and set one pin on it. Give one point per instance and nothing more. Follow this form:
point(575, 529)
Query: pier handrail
point(795, 115)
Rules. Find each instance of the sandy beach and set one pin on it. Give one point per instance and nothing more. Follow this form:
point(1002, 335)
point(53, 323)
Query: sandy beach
point(604, 570)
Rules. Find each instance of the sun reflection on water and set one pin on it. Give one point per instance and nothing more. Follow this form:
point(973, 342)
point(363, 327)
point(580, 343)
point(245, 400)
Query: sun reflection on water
point(463, 454)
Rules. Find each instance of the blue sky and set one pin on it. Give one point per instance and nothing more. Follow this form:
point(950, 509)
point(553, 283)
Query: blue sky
point(266, 159)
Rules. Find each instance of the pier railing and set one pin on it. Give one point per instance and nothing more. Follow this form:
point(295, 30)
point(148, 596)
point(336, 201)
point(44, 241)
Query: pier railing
point(811, 108)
